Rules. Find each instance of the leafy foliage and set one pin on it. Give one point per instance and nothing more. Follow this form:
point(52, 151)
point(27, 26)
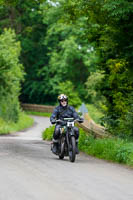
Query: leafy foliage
point(68, 53)
point(110, 27)
point(93, 84)
point(11, 73)
point(48, 133)
point(85, 44)
point(68, 89)
point(112, 149)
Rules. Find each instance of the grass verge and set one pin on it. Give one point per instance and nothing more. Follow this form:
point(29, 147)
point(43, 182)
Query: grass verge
point(111, 149)
point(25, 121)
point(48, 133)
point(94, 113)
point(38, 113)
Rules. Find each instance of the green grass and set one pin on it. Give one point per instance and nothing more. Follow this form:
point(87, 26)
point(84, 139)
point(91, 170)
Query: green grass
point(38, 113)
point(48, 133)
point(111, 149)
point(25, 121)
point(94, 113)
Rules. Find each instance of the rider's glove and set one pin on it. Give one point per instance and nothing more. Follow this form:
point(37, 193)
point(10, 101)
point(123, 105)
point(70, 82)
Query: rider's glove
point(80, 120)
point(53, 121)
point(61, 122)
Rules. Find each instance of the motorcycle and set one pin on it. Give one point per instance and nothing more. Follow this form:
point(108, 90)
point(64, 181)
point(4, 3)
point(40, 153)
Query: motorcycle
point(67, 142)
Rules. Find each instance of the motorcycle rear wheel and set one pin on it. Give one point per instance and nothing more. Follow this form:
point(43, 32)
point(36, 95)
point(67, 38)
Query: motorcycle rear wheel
point(72, 150)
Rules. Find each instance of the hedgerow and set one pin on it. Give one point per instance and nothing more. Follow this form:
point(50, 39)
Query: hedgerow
point(111, 149)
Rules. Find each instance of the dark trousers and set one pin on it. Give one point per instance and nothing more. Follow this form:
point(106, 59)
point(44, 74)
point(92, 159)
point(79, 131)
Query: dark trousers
point(57, 132)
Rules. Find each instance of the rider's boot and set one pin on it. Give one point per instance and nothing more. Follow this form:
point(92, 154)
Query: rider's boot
point(55, 146)
point(77, 150)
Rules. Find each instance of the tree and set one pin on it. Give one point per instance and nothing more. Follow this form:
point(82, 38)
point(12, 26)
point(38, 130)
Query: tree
point(68, 89)
point(24, 18)
point(70, 57)
point(110, 27)
point(11, 74)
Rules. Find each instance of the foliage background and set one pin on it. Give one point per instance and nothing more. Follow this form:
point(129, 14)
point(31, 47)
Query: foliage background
point(111, 149)
point(84, 48)
point(11, 73)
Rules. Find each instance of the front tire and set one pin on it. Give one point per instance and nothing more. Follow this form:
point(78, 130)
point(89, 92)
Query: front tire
point(62, 147)
point(72, 150)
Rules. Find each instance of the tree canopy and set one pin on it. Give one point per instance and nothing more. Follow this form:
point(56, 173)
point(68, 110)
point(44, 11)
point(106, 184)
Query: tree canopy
point(82, 47)
point(11, 73)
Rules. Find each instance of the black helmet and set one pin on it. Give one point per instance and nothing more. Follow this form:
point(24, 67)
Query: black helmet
point(62, 97)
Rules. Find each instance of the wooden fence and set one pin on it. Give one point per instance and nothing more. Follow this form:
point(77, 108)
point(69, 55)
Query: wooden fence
point(37, 108)
point(89, 125)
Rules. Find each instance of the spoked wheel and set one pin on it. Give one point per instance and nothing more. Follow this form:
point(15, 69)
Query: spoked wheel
point(72, 150)
point(62, 147)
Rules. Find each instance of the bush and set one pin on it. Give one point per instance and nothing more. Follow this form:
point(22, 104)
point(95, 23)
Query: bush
point(11, 73)
point(120, 126)
point(126, 123)
point(48, 133)
point(119, 98)
point(113, 149)
point(93, 85)
point(95, 113)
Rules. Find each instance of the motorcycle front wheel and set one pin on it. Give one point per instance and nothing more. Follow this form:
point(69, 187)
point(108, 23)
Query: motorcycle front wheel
point(62, 147)
point(72, 149)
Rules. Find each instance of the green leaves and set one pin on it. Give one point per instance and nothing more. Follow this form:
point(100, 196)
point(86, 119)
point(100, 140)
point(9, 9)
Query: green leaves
point(67, 51)
point(119, 9)
point(11, 73)
point(85, 44)
point(109, 28)
point(93, 84)
point(68, 88)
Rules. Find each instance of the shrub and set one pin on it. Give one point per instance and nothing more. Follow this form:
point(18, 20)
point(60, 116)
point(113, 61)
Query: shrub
point(11, 73)
point(48, 133)
point(113, 149)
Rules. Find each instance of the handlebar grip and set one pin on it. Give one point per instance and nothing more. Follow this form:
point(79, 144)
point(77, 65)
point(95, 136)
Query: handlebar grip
point(80, 120)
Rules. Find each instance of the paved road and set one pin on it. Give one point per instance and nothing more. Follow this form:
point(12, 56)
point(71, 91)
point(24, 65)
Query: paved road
point(29, 171)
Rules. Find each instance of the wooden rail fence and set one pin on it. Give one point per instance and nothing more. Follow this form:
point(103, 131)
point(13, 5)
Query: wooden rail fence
point(89, 125)
point(37, 108)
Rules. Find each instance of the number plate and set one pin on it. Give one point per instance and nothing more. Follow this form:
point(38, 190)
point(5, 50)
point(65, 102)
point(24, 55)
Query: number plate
point(70, 124)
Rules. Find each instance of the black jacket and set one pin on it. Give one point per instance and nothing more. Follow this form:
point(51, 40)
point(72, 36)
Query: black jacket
point(61, 112)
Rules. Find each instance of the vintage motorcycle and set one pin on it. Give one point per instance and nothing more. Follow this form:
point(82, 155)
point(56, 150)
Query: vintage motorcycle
point(67, 141)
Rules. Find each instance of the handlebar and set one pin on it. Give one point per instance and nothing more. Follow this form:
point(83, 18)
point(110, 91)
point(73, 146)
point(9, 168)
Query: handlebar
point(81, 120)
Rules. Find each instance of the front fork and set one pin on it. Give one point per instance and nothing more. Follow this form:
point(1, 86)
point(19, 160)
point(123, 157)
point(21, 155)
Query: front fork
point(70, 133)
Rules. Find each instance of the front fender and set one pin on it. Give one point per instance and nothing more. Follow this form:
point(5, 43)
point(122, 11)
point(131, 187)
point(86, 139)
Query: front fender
point(71, 133)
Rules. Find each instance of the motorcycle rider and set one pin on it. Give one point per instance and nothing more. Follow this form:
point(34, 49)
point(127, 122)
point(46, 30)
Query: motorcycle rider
point(60, 112)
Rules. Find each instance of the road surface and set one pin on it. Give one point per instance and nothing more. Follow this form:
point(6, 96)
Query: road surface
point(29, 171)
